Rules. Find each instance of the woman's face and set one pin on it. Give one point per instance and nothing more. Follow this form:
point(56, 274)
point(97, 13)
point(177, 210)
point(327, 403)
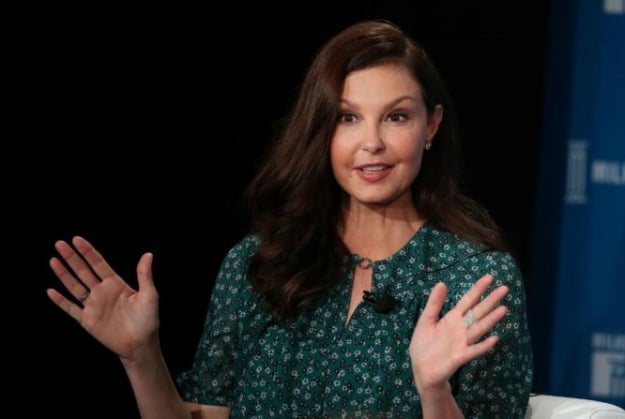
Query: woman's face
point(380, 137)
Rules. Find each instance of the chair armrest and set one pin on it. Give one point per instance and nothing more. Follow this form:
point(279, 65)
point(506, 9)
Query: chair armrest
point(545, 406)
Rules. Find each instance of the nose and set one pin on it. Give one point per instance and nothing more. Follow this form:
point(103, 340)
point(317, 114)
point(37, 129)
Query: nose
point(373, 142)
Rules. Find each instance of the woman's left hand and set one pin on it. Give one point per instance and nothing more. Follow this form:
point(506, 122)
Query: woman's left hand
point(439, 346)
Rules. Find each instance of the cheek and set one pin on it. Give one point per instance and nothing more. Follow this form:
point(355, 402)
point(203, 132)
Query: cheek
point(413, 156)
point(341, 161)
point(416, 169)
point(335, 159)
point(339, 153)
point(408, 143)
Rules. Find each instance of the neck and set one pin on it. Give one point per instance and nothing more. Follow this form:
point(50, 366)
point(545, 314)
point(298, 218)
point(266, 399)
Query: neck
point(375, 237)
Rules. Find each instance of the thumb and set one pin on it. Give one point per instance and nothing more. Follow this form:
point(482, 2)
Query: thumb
point(144, 272)
point(434, 303)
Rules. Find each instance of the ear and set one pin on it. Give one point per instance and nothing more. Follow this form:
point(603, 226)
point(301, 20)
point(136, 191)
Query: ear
point(434, 120)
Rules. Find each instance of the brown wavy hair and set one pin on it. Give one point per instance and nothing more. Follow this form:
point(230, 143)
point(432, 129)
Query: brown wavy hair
point(294, 199)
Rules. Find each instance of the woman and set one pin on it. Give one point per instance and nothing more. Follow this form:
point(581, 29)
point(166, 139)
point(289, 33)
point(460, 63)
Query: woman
point(370, 286)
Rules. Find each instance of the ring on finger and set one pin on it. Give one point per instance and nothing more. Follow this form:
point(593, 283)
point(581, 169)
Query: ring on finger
point(84, 297)
point(469, 318)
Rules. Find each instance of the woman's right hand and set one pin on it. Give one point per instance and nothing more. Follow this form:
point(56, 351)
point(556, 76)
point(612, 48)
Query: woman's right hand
point(121, 318)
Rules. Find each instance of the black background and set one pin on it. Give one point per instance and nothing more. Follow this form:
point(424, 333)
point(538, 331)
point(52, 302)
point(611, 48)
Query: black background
point(139, 128)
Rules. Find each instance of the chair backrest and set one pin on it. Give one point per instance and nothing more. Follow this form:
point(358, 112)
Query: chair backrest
point(546, 406)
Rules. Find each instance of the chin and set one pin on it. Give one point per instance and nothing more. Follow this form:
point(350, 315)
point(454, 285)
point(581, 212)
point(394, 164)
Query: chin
point(376, 201)
point(383, 200)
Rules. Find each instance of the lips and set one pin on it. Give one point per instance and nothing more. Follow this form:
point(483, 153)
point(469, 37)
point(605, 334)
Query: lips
point(373, 172)
point(373, 169)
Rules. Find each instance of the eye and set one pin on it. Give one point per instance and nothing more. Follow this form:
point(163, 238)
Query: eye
point(347, 118)
point(398, 117)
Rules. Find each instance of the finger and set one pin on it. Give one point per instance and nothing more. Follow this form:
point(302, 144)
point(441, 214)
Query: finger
point(97, 262)
point(480, 348)
point(434, 304)
point(491, 301)
point(473, 296)
point(484, 325)
point(144, 272)
point(77, 264)
point(71, 283)
point(64, 304)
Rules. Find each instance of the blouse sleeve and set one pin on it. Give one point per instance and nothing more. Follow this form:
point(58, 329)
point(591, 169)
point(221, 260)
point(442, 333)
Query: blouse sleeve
point(498, 384)
point(214, 371)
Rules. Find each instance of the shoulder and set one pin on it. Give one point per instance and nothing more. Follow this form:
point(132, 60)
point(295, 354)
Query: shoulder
point(446, 250)
point(233, 269)
point(231, 286)
point(243, 249)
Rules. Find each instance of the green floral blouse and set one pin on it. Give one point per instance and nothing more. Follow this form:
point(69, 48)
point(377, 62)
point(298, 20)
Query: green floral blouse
point(318, 367)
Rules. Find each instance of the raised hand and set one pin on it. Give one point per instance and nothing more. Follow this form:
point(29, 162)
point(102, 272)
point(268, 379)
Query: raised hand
point(439, 346)
point(120, 317)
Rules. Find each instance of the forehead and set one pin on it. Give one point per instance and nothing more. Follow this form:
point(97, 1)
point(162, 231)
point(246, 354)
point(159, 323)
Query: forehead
point(382, 80)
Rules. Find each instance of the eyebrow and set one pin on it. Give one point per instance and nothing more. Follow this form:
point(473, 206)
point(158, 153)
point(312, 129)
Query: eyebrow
point(388, 105)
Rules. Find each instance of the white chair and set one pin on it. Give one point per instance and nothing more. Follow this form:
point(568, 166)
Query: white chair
point(546, 406)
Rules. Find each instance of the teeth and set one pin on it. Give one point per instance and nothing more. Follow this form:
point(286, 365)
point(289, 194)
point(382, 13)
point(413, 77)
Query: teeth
point(370, 169)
